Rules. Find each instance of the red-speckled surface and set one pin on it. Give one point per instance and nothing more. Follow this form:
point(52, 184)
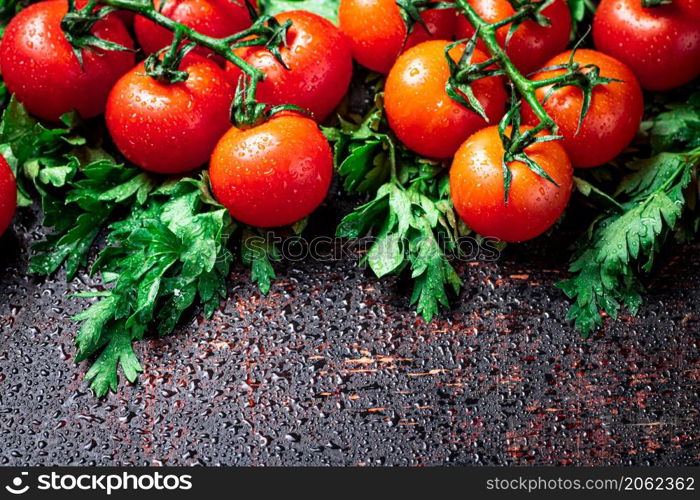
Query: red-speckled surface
point(333, 367)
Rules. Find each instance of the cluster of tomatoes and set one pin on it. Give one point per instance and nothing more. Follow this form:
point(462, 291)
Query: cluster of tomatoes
point(278, 172)
point(658, 47)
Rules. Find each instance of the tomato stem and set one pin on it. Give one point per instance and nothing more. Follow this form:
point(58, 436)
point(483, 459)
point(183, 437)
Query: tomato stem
point(221, 46)
point(525, 87)
point(265, 31)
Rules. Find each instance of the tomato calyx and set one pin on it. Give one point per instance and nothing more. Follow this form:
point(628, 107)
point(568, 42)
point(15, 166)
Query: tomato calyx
point(584, 76)
point(270, 33)
point(515, 144)
point(463, 73)
point(247, 112)
point(77, 27)
point(526, 10)
point(164, 65)
point(411, 11)
point(267, 32)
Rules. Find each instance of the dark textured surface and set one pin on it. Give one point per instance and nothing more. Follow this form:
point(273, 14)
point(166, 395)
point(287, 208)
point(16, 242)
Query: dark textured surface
point(333, 367)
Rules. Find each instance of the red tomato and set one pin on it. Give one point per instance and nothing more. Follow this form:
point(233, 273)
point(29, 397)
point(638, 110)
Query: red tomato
point(534, 203)
point(377, 31)
point(274, 174)
point(661, 45)
point(531, 44)
point(319, 61)
point(612, 120)
point(170, 128)
point(8, 195)
point(41, 69)
point(419, 110)
point(215, 18)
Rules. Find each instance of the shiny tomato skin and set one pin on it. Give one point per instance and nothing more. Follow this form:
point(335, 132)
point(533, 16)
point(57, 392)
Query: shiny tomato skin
point(661, 45)
point(422, 114)
point(170, 128)
point(41, 69)
point(214, 18)
point(377, 31)
point(534, 203)
point(8, 195)
point(612, 120)
point(531, 44)
point(319, 61)
point(274, 174)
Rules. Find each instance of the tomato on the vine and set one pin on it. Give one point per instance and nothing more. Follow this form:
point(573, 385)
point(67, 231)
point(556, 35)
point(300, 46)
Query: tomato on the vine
point(660, 44)
point(214, 18)
point(421, 113)
point(377, 31)
point(8, 195)
point(531, 44)
point(170, 127)
point(318, 60)
point(273, 174)
point(534, 203)
point(614, 116)
point(40, 68)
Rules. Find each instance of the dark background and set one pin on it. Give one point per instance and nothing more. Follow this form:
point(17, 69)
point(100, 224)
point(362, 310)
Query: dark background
point(334, 367)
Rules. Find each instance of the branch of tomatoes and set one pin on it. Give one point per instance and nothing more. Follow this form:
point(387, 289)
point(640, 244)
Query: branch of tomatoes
point(265, 31)
point(586, 77)
point(487, 33)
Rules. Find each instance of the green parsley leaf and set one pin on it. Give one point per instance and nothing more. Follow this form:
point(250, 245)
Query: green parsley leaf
point(647, 207)
point(678, 128)
point(103, 374)
point(79, 187)
point(365, 157)
point(604, 268)
point(411, 214)
point(80, 211)
point(258, 252)
point(30, 149)
point(159, 260)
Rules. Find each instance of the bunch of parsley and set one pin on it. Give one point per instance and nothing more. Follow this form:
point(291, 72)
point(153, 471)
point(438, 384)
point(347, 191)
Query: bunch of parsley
point(410, 215)
point(647, 206)
point(414, 223)
point(167, 240)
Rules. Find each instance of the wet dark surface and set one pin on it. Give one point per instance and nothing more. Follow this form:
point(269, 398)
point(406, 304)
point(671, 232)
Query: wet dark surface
point(333, 367)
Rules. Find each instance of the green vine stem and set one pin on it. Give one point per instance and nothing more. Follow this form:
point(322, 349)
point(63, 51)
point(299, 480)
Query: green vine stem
point(221, 46)
point(266, 29)
point(586, 77)
point(525, 87)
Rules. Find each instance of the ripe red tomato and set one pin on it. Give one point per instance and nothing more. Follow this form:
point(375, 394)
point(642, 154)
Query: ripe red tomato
point(8, 195)
point(377, 31)
point(274, 174)
point(319, 61)
point(661, 45)
point(420, 111)
point(534, 203)
point(531, 44)
point(170, 128)
point(41, 69)
point(215, 18)
point(612, 120)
